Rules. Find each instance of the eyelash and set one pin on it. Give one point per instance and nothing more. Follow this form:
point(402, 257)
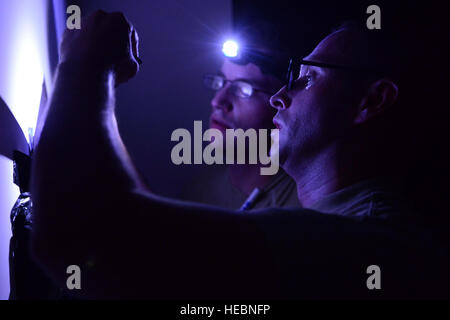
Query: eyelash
point(307, 79)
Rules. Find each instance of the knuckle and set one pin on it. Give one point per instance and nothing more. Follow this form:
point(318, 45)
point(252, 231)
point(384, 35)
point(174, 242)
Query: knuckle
point(120, 18)
point(99, 14)
point(94, 18)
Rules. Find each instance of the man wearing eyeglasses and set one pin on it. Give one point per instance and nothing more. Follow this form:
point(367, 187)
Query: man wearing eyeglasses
point(129, 243)
point(333, 115)
point(243, 87)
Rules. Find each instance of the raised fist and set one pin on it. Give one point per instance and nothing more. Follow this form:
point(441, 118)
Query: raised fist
point(106, 41)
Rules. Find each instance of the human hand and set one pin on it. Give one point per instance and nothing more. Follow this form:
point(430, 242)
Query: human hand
point(106, 42)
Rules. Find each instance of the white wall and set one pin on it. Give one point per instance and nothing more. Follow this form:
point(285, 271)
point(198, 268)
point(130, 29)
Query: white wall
point(23, 63)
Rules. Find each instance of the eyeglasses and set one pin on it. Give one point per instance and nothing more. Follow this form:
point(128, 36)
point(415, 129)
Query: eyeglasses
point(294, 69)
point(239, 88)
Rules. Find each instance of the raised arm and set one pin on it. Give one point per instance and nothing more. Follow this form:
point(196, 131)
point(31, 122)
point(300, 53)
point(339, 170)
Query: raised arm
point(91, 209)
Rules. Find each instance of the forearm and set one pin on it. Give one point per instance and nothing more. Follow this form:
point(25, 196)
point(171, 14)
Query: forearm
point(89, 208)
point(89, 213)
point(80, 163)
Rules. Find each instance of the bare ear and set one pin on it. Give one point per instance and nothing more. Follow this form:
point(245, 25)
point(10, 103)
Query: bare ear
point(381, 95)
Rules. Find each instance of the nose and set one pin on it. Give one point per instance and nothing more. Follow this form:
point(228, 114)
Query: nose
point(222, 100)
point(281, 99)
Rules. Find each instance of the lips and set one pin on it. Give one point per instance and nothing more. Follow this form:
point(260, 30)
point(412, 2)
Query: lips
point(218, 123)
point(277, 124)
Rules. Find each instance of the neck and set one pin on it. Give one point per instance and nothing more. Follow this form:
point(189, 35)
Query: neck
point(246, 177)
point(328, 172)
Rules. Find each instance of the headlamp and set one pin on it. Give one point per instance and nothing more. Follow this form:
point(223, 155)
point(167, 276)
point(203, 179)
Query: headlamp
point(242, 54)
point(230, 49)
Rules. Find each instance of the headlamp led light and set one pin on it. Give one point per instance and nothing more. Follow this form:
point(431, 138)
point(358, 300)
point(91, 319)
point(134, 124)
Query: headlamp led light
point(268, 63)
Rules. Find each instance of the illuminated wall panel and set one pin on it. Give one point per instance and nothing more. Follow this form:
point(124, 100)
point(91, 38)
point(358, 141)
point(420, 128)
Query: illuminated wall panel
point(23, 65)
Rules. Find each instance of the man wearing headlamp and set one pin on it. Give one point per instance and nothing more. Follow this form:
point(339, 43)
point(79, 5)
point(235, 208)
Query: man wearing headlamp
point(250, 74)
point(130, 243)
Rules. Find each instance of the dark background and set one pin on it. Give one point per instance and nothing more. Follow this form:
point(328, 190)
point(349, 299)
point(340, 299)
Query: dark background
point(180, 41)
